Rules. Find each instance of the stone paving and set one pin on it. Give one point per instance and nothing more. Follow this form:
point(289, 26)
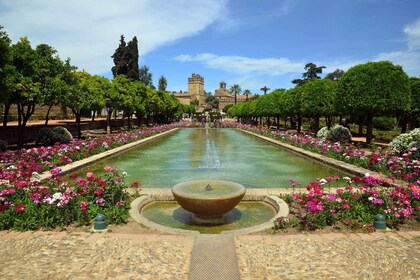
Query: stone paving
point(80, 255)
point(330, 256)
point(60, 255)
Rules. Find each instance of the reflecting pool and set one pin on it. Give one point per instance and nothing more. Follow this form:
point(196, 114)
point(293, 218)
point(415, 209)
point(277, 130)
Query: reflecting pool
point(216, 154)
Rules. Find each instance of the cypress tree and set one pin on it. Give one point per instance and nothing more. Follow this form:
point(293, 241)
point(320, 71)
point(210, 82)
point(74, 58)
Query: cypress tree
point(120, 59)
point(133, 60)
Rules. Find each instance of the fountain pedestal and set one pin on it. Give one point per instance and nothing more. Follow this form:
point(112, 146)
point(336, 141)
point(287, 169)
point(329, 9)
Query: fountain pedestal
point(208, 200)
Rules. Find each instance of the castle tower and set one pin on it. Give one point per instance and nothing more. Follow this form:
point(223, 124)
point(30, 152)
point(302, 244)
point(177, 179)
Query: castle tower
point(196, 88)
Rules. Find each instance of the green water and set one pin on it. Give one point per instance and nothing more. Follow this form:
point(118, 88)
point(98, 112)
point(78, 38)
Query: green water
point(216, 154)
point(208, 189)
point(245, 214)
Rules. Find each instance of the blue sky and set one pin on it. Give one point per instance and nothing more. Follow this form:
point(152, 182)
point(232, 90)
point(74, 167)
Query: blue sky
point(251, 43)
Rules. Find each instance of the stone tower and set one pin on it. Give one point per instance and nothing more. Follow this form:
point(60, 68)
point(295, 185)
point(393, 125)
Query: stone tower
point(196, 88)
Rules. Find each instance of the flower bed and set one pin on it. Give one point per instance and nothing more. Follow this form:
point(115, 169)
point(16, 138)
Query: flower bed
point(405, 167)
point(26, 203)
point(353, 207)
point(57, 203)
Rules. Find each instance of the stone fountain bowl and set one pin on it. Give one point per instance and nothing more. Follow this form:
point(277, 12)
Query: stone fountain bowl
point(196, 197)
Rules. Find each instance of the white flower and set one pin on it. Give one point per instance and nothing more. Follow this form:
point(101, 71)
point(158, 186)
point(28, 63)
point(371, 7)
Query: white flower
point(124, 174)
point(371, 198)
point(58, 196)
point(367, 175)
point(322, 181)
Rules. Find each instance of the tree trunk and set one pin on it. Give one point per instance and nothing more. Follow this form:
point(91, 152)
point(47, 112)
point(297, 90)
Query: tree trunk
point(278, 122)
point(315, 124)
point(6, 114)
point(48, 115)
point(361, 123)
point(404, 122)
point(369, 130)
point(328, 121)
point(260, 120)
point(129, 121)
point(93, 115)
point(299, 124)
point(79, 127)
point(23, 118)
point(341, 120)
point(292, 123)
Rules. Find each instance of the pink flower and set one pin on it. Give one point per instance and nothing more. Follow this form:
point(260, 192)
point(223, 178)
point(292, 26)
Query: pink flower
point(89, 176)
point(108, 169)
point(55, 170)
point(83, 205)
point(346, 206)
point(120, 203)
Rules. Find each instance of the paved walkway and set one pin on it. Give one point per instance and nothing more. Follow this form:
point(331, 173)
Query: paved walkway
point(214, 257)
point(62, 255)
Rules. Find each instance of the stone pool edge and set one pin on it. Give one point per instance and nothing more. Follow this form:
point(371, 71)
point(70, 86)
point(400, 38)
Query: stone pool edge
point(338, 164)
point(270, 196)
point(86, 161)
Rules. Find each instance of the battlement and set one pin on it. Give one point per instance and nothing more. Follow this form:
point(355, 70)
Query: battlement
point(196, 79)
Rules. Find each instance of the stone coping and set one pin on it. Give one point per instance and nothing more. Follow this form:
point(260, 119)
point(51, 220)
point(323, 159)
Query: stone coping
point(83, 162)
point(282, 210)
point(338, 164)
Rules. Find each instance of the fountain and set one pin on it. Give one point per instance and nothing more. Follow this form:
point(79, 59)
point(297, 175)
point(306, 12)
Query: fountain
point(208, 200)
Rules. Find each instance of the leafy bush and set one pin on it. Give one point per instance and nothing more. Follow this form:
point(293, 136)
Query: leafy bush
point(406, 142)
point(323, 132)
point(49, 136)
point(3, 145)
point(339, 133)
point(384, 123)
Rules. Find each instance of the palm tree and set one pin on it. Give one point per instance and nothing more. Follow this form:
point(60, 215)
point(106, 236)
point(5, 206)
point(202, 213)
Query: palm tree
point(265, 89)
point(246, 93)
point(236, 90)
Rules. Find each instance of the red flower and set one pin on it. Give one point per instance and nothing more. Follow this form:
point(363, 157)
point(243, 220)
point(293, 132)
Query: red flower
point(99, 192)
point(20, 207)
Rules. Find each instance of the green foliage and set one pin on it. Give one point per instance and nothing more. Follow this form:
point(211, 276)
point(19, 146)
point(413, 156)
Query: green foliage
point(376, 88)
point(323, 132)
point(163, 83)
point(3, 145)
point(145, 76)
point(405, 142)
point(339, 133)
point(50, 136)
point(318, 97)
point(126, 58)
point(384, 123)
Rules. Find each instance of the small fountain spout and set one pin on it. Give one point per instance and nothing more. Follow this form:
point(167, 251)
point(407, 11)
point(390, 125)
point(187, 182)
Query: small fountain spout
point(208, 188)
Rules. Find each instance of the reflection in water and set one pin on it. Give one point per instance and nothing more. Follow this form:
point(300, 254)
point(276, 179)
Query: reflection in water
point(229, 155)
point(246, 214)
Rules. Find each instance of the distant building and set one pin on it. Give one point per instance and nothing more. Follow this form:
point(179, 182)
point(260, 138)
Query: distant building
point(195, 91)
point(225, 97)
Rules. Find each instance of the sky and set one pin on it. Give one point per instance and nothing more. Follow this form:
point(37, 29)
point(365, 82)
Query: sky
point(246, 42)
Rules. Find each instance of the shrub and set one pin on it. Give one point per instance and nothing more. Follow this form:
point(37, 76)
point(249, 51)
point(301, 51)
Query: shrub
point(384, 123)
point(406, 141)
point(339, 133)
point(3, 145)
point(323, 132)
point(49, 136)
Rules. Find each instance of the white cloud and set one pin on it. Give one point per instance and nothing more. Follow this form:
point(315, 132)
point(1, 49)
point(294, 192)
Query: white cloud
point(413, 35)
point(88, 31)
point(409, 59)
point(243, 65)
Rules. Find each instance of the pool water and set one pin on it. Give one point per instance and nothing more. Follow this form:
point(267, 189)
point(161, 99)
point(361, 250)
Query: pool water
point(213, 154)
